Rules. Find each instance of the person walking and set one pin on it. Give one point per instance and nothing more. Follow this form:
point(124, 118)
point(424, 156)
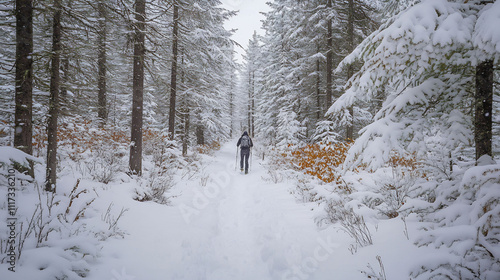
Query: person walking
point(245, 143)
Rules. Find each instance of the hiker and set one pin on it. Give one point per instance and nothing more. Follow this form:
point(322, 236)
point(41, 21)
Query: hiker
point(245, 143)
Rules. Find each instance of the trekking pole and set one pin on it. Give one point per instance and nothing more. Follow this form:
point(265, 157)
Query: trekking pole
point(236, 162)
point(250, 167)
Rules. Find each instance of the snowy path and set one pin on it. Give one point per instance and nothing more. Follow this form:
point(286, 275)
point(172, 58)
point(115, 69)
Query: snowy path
point(236, 227)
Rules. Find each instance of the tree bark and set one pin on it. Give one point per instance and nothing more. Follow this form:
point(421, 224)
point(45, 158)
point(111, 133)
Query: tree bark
point(185, 136)
point(24, 76)
point(51, 171)
point(329, 61)
point(102, 111)
point(350, 70)
point(173, 78)
point(484, 108)
point(251, 101)
point(231, 105)
point(200, 135)
point(252, 130)
point(249, 105)
point(63, 92)
point(185, 111)
point(135, 162)
point(318, 90)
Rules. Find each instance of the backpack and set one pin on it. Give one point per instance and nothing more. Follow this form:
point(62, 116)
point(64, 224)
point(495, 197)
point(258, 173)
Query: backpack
point(245, 142)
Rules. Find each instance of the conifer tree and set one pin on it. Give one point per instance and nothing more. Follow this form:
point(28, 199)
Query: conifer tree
point(173, 79)
point(135, 162)
point(427, 82)
point(53, 113)
point(24, 75)
point(101, 62)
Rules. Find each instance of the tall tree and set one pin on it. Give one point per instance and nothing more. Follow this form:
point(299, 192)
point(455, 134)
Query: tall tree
point(252, 79)
point(350, 68)
point(51, 171)
point(426, 108)
point(207, 54)
point(135, 161)
point(329, 58)
point(483, 121)
point(231, 105)
point(24, 76)
point(173, 79)
point(101, 62)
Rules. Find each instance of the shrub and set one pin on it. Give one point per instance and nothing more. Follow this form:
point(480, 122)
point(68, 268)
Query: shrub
point(352, 223)
point(320, 160)
point(159, 179)
point(208, 149)
point(465, 220)
point(396, 187)
point(100, 150)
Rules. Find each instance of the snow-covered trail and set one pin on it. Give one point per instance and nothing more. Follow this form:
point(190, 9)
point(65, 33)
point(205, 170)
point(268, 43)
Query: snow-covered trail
point(235, 227)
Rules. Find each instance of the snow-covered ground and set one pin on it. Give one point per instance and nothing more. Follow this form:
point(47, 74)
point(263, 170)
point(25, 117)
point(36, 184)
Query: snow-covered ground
point(228, 225)
point(240, 227)
point(236, 227)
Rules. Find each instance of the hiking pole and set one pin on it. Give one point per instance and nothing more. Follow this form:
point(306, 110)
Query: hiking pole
point(250, 167)
point(236, 162)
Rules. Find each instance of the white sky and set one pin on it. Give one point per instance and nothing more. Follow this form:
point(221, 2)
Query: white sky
point(247, 21)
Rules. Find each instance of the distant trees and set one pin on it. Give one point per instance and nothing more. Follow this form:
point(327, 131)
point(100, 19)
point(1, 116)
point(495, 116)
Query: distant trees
point(252, 77)
point(144, 74)
point(207, 68)
point(303, 45)
point(326, 57)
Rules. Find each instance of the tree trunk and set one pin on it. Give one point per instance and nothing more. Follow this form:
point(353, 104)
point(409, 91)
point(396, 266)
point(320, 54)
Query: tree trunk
point(249, 105)
point(135, 162)
point(186, 111)
point(318, 90)
point(200, 137)
point(102, 112)
point(173, 78)
point(231, 105)
point(484, 108)
point(350, 71)
point(63, 92)
point(329, 61)
point(24, 76)
point(252, 110)
point(185, 136)
point(51, 171)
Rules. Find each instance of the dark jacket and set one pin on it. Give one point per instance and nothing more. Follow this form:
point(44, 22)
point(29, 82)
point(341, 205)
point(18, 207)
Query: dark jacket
point(239, 141)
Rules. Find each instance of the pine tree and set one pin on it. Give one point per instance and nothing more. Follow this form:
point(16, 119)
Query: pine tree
point(101, 62)
point(53, 113)
point(484, 109)
point(173, 79)
point(252, 80)
point(207, 51)
point(24, 75)
point(135, 162)
point(427, 78)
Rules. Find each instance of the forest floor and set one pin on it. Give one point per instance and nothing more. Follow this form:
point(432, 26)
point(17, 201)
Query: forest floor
point(237, 226)
point(219, 224)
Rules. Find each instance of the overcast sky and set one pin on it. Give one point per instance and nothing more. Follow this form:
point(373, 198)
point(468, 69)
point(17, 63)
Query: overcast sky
point(247, 21)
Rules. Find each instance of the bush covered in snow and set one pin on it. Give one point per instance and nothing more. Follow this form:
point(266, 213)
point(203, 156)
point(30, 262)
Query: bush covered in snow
point(464, 219)
point(56, 233)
